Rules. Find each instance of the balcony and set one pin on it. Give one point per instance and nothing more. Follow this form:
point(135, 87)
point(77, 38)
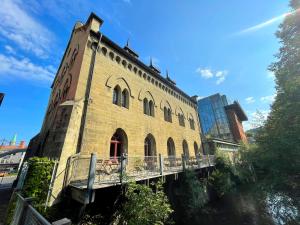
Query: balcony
point(89, 172)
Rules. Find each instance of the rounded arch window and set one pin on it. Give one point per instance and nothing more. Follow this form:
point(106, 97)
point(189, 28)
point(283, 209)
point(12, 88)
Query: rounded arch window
point(185, 149)
point(104, 51)
point(111, 55)
point(171, 148)
point(118, 144)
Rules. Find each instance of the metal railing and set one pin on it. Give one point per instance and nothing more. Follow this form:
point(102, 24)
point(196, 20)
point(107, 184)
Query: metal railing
point(115, 170)
point(24, 213)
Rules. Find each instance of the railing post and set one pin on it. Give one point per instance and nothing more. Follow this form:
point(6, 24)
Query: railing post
point(198, 160)
point(123, 164)
point(183, 162)
point(91, 177)
point(161, 164)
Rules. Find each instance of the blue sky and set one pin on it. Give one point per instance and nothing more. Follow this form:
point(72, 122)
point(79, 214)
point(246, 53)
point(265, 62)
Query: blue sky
point(207, 46)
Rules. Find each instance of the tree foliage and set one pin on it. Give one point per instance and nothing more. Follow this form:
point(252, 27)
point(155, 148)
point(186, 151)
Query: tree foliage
point(37, 180)
point(192, 196)
point(145, 205)
point(277, 156)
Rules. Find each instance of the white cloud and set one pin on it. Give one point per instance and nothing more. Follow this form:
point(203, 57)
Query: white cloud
point(249, 100)
point(25, 69)
point(10, 50)
point(268, 98)
point(205, 73)
point(208, 73)
point(266, 23)
point(221, 75)
point(21, 28)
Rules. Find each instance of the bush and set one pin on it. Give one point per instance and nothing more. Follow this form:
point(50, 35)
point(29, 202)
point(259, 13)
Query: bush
point(191, 194)
point(37, 180)
point(221, 182)
point(144, 205)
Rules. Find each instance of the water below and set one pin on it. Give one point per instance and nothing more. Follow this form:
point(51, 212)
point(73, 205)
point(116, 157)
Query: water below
point(243, 207)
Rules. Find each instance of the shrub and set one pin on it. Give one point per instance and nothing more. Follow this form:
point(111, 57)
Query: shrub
point(144, 205)
point(37, 180)
point(192, 195)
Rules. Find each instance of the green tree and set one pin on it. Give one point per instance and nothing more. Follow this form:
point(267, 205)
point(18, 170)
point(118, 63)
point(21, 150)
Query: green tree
point(278, 154)
point(192, 196)
point(145, 205)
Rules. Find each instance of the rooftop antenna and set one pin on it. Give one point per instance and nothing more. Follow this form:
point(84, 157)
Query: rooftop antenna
point(127, 43)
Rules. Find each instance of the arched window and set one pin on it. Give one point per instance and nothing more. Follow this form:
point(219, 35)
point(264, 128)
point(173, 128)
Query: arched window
point(116, 95)
point(181, 120)
point(192, 123)
point(171, 148)
point(196, 149)
point(118, 144)
point(146, 106)
point(125, 98)
point(169, 115)
point(185, 149)
point(165, 113)
point(151, 108)
point(150, 146)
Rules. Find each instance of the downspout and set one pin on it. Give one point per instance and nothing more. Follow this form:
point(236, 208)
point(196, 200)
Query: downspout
point(87, 99)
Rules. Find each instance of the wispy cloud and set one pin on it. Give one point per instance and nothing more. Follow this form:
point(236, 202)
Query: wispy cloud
point(208, 74)
point(25, 69)
point(19, 27)
point(10, 49)
point(265, 23)
point(268, 98)
point(250, 100)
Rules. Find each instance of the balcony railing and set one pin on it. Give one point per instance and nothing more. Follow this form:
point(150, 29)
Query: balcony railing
point(112, 171)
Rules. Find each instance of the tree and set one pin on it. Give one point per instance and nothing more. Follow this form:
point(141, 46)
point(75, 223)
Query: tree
point(144, 205)
point(278, 154)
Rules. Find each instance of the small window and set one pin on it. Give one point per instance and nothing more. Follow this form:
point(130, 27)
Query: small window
point(169, 115)
point(146, 106)
point(151, 108)
point(125, 99)
point(165, 114)
point(181, 120)
point(192, 124)
point(116, 95)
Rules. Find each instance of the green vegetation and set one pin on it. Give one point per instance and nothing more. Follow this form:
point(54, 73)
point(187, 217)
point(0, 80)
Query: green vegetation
point(191, 196)
point(276, 157)
point(145, 205)
point(37, 181)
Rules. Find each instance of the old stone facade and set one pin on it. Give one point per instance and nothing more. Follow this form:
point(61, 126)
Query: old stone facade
point(104, 100)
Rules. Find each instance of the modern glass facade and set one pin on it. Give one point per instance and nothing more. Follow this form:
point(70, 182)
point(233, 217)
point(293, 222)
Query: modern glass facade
point(213, 117)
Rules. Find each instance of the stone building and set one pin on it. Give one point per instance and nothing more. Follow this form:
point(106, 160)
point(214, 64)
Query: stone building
point(104, 100)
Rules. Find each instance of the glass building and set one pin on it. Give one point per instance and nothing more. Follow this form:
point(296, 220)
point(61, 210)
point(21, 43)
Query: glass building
point(213, 117)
